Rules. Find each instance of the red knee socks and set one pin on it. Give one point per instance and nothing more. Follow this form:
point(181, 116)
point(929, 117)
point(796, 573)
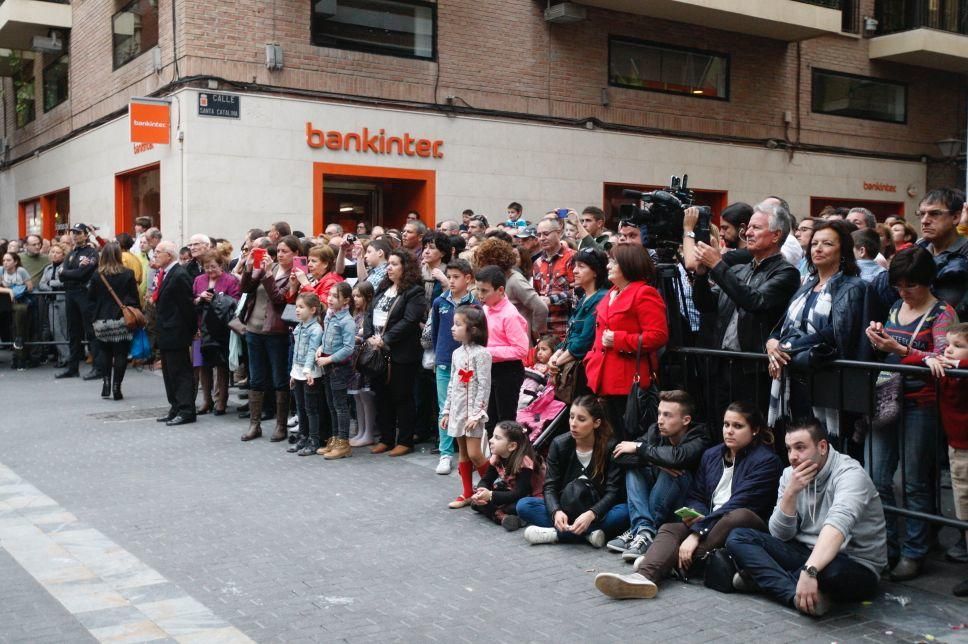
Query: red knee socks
point(465, 469)
point(482, 470)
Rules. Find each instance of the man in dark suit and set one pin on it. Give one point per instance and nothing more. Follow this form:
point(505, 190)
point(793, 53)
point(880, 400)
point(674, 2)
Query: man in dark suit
point(176, 325)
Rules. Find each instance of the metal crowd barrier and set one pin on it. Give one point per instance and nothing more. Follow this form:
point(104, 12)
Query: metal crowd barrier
point(40, 325)
point(844, 385)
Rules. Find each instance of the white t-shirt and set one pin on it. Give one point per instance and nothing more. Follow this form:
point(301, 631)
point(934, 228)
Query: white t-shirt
point(381, 312)
point(585, 458)
point(724, 489)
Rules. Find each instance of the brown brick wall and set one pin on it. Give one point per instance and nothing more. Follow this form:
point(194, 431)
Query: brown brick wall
point(501, 55)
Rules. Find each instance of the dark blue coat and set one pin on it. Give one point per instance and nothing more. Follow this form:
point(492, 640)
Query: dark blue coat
point(756, 477)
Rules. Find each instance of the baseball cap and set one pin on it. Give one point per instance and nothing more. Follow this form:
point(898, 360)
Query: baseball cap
point(80, 228)
point(527, 231)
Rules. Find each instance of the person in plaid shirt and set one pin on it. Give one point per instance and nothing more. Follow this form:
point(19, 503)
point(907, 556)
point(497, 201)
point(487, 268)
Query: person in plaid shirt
point(554, 276)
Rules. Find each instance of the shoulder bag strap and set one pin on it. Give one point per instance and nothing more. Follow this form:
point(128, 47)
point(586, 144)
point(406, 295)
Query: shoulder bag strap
point(917, 329)
point(638, 361)
point(117, 300)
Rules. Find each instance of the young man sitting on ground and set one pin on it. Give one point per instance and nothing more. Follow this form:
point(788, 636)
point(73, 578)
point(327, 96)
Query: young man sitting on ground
point(827, 538)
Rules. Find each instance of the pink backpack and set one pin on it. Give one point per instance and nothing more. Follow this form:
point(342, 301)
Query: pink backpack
point(540, 412)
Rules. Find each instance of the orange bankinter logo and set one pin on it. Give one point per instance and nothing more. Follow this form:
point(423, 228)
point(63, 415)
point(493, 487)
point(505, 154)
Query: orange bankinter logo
point(374, 142)
point(150, 122)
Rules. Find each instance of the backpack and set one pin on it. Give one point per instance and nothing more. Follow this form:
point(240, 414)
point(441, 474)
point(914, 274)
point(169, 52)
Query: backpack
point(536, 416)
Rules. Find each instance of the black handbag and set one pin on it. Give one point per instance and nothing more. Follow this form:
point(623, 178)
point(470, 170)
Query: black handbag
point(374, 362)
point(720, 569)
point(578, 497)
point(641, 410)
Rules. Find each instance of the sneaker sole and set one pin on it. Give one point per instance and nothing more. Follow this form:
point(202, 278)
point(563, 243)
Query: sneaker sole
point(615, 587)
point(631, 556)
point(612, 548)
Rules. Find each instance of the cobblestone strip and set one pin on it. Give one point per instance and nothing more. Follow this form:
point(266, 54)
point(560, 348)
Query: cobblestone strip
point(115, 596)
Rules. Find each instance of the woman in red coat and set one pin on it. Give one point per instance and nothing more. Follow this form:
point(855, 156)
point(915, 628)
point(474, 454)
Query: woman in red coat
point(631, 309)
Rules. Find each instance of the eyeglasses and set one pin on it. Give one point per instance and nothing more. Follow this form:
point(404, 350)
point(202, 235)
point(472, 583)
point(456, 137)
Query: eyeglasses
point(932, 213)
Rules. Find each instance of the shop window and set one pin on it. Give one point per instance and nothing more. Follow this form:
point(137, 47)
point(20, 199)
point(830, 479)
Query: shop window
point(655, 67)
point(47, 215)
point(393, 27)
point(55, 82)
point(25, 100)
point(859, 97)
point(135, 29)
point(137, 194)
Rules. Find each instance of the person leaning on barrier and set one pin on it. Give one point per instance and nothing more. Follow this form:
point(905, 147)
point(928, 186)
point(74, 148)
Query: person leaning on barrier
point(75, 275)
point(826, 538)
point(913, 332)
point(826, 312)
point(748, 300)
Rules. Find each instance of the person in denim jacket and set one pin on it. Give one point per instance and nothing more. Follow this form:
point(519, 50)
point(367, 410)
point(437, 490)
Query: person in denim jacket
point(339, 340)
point(304, 375)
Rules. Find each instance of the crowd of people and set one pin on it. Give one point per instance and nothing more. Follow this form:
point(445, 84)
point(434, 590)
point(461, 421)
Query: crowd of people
point(476, 337)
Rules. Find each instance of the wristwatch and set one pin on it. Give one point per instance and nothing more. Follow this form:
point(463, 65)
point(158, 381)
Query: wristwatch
point(811, 571)
point(689, 233)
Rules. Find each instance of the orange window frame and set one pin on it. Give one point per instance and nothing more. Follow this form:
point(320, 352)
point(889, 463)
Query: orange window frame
point(48, 204)
point(123, 217)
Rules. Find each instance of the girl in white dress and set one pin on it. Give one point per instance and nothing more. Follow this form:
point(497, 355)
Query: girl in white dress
point(465, 411)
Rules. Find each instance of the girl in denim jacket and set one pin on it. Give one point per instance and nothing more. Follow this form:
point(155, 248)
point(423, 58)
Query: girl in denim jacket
point(305, 374)
point(339, 339)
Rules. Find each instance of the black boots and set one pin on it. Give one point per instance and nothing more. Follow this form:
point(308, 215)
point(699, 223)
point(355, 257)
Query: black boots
point(106, 387)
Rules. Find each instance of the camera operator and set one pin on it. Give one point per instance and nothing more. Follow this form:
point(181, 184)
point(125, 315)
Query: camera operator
point(746, 300)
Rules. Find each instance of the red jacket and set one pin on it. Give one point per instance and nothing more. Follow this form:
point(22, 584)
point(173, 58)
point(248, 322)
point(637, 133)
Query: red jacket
point(954, 408)
point(638, 310)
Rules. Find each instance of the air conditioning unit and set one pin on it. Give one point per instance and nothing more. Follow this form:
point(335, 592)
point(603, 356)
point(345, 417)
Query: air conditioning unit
point(48, 44)
point(565, 12)
point(273, 57)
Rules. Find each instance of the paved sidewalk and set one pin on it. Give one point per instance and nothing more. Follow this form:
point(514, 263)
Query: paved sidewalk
point(294, 549)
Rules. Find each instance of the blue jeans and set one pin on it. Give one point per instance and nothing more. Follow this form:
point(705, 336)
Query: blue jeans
point(446, 441)
point(775, 567)
point(268, 361)
point(307, 408)
point(920, 443)
point(534, 511)
point(334, 387)
point(653, 498)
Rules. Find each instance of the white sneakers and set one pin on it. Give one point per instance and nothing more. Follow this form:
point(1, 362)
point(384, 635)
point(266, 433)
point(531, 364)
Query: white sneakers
point(633, 586)
point(596, 538)
point(292, 421)
point(444, 464)
point(537, 536)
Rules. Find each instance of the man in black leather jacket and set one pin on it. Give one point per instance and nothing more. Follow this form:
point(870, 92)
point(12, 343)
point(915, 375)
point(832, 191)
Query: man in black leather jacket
point(747, 301)
point(75, 275)
point(668, 455)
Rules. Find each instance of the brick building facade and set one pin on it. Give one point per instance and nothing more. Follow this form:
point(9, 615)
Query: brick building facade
point(498, 66)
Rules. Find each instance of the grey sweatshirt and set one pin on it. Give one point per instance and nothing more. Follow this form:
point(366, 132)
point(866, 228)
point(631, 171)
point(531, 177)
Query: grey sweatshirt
point(842, 496)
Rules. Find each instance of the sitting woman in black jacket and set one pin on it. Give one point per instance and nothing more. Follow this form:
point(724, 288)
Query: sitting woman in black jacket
point(583, 488)
point(393, 322)
point(111, 334)
point(735, 487)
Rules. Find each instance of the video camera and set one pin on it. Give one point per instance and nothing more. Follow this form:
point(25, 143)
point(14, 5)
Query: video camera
point(661, 217)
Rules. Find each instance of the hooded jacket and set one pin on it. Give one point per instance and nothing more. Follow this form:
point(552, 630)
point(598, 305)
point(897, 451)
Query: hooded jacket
point(842, 496)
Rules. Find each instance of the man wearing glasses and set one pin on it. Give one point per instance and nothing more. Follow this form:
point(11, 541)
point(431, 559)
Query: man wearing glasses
point(554, 276)
point(939, 212)
point(197, 245)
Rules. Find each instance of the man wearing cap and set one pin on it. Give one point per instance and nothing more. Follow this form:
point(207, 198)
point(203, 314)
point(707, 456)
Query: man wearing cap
point(527, 239)
point(75, 275)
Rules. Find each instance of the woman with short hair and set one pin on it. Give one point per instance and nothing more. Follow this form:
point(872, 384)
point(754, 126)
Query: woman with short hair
point(214, 370)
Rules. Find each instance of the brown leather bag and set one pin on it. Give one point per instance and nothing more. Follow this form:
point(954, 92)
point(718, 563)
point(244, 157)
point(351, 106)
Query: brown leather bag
point(133, 317)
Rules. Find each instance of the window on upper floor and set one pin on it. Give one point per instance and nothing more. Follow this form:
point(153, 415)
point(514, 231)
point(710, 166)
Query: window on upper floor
point(405, 28)
point(25, 102)
point(135, 29)
point(859, 97)
point(657, 67)
point(55, 82)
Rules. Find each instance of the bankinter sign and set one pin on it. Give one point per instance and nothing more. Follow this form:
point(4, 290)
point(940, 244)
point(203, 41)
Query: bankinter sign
point(374, 142)
point(150, 122)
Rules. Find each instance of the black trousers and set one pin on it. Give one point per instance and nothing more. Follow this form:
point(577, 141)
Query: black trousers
point(396, 414)
point(177, 372)
point(79, 327)
point(506, 379)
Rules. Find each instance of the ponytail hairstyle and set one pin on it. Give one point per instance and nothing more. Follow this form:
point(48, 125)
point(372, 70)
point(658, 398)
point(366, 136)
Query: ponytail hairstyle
point(476, 323)
point(761, 431)
point(595, 407)
point(515, 433)
point(345, 291)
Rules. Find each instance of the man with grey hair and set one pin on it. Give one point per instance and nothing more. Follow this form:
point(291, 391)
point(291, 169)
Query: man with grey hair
point(449, 227)
point(553, 276)
point(413, 234)
point(176, 324)
point(746, 300)
point(334, 230)
point(197, 245)
point(789, 247)
point(862, 218)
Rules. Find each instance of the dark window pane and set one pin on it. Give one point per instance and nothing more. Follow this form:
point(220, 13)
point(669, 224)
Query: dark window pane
point(24, 95)
point(135, 30)
point(55, 82)
point(661, 68)
point(394, 27)
point(859, 97)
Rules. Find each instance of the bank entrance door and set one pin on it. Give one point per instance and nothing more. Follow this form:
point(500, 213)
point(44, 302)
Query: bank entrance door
point(348, 203)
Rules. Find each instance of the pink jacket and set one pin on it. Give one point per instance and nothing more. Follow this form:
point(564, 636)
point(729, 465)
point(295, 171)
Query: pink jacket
point(507, 332)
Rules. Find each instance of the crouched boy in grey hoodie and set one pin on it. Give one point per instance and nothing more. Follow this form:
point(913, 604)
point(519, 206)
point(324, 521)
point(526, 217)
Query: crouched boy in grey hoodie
point(827, 537)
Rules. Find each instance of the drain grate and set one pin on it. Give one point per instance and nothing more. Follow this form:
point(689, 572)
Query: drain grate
point(129, 414)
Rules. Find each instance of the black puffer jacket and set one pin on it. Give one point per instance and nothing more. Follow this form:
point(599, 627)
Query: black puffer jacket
point(656, 449)
point(402, 333)
point(761, 292)
point(563, 467)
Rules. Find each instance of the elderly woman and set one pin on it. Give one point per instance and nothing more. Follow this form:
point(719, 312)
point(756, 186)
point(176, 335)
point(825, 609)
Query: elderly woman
point(320, 275)
point(630, 319)
point(913, 332)
point(215, 339)
point(519, 290)
point(591, 278)
point(827, 312)
point(267, 336)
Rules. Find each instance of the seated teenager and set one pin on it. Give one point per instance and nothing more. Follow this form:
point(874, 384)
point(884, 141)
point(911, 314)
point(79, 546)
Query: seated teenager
point(735, 487)
point(827, 536)
point(514, 472)
point(583, 486)
point(668, 457)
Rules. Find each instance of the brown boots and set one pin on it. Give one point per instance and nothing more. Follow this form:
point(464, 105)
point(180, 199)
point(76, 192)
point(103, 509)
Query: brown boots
point(340, 449)
point(282, 415)
point(255, 414)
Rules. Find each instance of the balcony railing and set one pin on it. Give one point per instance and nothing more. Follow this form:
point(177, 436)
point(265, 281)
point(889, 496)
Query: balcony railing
point(894, 16)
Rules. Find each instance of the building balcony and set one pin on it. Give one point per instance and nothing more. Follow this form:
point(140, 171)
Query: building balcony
point(926, 33)
point(787, 20)
point(21, 20)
